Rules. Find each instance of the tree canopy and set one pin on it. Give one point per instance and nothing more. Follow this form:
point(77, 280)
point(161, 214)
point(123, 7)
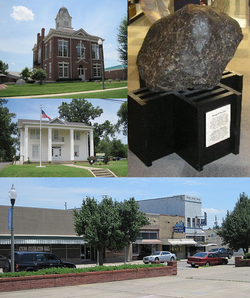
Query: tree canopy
point(235, 229)
point(3, 67)
point(7, 130)
point(122, 38)
point(25, 73)
point(38, 74)
point(108, 224)
point(123, 118)
point(79, 110)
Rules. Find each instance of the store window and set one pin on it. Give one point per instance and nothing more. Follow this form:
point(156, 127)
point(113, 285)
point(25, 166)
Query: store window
point(188, 222)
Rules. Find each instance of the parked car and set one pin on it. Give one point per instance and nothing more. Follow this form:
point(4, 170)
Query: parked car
point(223, 252)
point(33, 261)
point(206, 259)
point(162, 256)
point(2, 261)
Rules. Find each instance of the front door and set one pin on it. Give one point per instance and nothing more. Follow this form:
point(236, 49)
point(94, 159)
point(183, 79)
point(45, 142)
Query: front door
point(82, 72)
point(56, 153)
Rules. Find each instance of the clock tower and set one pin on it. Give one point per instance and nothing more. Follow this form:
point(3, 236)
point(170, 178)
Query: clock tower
point(63, 19)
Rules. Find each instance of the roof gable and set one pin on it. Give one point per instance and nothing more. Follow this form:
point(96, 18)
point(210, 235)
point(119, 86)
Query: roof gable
point(57, 120)
point(81, 33)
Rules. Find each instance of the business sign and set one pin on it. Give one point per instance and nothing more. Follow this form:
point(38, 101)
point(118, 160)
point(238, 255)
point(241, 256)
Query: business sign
point(204, 220)
point(179, 227)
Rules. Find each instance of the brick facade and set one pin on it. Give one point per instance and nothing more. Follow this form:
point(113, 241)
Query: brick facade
point(66, 53)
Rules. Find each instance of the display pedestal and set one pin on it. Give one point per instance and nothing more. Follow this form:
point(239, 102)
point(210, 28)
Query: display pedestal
point(200, 126)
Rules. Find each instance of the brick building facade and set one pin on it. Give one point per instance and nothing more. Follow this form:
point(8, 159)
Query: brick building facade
point(67, 53)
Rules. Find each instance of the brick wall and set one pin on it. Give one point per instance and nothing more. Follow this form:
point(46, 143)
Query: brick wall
point(239, 262)
point(57, 280)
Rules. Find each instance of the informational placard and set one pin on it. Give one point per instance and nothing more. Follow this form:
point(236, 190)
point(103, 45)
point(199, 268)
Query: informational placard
point(218, 124)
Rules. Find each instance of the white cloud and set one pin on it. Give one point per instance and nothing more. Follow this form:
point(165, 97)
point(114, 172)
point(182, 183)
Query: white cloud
point(107, 46)
point(22, 13)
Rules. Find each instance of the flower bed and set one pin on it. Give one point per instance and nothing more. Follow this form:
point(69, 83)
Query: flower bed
point(73, 279)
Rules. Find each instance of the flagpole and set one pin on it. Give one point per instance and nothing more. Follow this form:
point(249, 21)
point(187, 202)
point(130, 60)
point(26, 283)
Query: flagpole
point(40, 135)
point(40, 139)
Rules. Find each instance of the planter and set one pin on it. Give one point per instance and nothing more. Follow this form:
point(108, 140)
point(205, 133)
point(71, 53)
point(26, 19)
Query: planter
point(73, 279)
point(239, 262)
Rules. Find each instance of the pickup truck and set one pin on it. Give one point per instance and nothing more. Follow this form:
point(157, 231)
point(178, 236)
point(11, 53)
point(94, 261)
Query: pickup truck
point(222, 252)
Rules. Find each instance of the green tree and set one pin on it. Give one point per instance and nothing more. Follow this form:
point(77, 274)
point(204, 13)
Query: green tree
point(108, 224)
point(7, 130)
point(123, 119)
point(38, 74)
point(118, 149)
point(25, 73)
point(3, 67)
point(235, 229)
point(103, 132)
point(79, 110)
point(122, 38)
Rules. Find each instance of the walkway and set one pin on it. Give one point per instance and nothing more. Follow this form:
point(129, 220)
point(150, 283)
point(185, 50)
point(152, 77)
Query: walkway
point(63, 94)
point(4, 164)
point(96, 172)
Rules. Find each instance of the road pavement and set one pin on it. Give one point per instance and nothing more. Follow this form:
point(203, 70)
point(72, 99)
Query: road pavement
point(225, 281)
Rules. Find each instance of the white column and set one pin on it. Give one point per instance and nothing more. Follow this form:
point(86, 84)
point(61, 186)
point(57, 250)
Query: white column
point(71, 144)
point(49, 145)
point(91, 141)
point(26, 144)
point(21, 143)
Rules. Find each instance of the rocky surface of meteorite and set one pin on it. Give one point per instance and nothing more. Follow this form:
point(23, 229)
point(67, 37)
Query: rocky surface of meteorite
point(188, 49)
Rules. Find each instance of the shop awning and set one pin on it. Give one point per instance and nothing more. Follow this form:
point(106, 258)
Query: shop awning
point(176, 242)
point(151, 241)
point(42, 240)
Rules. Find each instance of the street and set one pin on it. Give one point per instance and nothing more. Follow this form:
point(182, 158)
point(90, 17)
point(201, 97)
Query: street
point(225, 281)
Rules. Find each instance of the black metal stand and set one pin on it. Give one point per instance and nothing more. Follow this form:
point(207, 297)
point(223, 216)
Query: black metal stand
point(166, 122)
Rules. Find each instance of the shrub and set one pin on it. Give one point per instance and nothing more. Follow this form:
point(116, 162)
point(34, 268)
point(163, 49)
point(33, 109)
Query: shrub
point(28, 161)
point(68, 79)
point(91, 160)
point(247, 255)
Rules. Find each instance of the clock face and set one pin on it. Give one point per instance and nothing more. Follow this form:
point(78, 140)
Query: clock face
point(65, 16)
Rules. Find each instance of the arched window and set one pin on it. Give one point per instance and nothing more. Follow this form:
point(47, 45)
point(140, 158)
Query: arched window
point(80, 50)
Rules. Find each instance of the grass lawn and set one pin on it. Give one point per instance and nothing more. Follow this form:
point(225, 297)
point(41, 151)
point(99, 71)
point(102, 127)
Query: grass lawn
point(49, 171)
point(54, 88)
point(120, 167)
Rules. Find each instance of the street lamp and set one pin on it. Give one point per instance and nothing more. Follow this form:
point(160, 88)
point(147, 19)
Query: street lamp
point(100, 48)
point(12, 195)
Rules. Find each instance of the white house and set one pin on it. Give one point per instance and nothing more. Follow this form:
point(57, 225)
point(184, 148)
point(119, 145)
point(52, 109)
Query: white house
point(61, 140)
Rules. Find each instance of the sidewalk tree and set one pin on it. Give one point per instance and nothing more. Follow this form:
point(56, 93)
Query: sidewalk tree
point(8, 129)
point(235, 229)
point(38, 74)
point(108, 224)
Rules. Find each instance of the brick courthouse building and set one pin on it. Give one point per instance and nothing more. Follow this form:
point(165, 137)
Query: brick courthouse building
point(67, 53)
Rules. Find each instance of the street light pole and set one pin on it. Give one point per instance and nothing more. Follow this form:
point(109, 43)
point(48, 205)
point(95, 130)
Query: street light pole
point(102, 66)
point(12, 195)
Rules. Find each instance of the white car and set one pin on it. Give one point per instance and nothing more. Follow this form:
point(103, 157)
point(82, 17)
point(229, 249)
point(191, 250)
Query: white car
point(162, 256)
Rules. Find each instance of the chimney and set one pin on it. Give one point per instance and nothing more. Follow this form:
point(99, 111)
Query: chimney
point(43, 33)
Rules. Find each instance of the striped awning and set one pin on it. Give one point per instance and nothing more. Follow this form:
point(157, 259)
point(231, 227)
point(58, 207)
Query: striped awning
point(177, 242)
point(42, 240)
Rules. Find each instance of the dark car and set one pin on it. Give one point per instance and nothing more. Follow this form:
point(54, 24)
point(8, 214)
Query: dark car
point(206, 259)
point(33, 261)
point(2, 261)
point(222, 252)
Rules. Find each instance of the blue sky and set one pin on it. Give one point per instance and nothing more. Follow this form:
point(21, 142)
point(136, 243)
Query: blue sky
point(218, 194)
point(21, 20)
point(30, 109)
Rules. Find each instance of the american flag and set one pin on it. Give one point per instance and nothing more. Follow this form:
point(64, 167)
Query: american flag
point(45, 116)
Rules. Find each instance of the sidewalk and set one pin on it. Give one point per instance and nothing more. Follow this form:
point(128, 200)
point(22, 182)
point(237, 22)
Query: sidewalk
point(96, 172)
